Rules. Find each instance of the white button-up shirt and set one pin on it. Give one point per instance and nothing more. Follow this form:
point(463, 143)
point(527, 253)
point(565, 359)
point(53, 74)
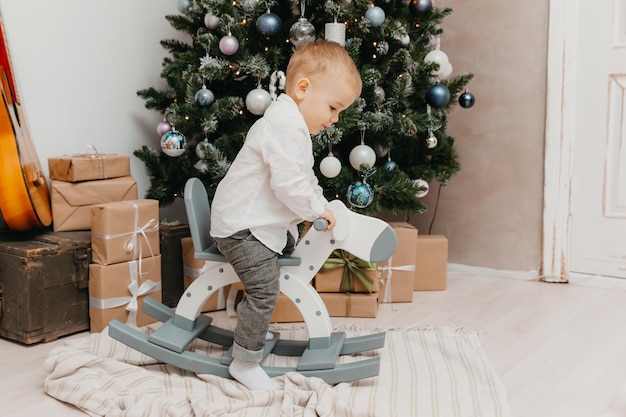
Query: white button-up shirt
point(270, 186)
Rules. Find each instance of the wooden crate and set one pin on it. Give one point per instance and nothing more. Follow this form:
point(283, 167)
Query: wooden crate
point(43, 285)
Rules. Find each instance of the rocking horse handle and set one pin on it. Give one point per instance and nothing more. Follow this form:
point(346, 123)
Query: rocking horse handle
point(320, 224)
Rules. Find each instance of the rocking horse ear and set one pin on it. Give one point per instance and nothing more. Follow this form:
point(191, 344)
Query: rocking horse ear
point(342, 227)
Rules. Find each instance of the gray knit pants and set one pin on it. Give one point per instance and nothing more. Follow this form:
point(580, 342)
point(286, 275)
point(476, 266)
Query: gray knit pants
point(257, 268)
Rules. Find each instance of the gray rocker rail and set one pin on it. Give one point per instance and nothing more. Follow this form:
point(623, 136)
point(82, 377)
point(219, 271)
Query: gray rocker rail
point(202, 364)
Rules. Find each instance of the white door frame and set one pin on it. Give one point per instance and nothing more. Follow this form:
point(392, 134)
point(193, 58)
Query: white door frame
point(559, 137)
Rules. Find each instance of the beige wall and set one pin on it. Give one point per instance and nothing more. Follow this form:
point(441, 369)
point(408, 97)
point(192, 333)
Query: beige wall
point(491, 211)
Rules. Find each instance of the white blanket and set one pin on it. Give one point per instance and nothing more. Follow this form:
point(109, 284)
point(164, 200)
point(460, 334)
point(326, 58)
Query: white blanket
point(424, 372)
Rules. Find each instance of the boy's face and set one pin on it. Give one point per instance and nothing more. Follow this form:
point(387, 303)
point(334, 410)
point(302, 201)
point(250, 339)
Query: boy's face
point(320, 100)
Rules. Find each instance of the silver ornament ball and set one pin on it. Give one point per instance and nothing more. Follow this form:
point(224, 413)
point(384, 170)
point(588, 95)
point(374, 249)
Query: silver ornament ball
point(229, 45)
point(431, 141)
point(362, 156)
point(302, 32)
point(204, 97)
point(211, 21)
point(375, 16)
point(257, 101)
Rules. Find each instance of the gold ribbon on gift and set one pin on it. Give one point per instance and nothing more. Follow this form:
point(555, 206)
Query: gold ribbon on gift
point(389, 269)
point(131, 245)
point(130, 301)
point(352, 267)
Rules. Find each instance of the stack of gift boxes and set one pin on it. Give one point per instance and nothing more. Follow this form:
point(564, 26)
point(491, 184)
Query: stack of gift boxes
point(96, 192)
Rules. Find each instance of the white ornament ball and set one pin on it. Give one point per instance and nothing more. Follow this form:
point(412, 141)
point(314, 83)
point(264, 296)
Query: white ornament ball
point(422, 187)
point(362, 155)
point(438, 57)
point(405, 40)
point(211, 21)
point(375, 16)
point(445, 72)
point(330, 166)
point(257, 101)
point(431, 141)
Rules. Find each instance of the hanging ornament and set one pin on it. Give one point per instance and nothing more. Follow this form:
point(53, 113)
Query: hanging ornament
point(379, 92)
point(302, 32)
point(335, 32)
point(433, 42)
point(204, 97)
point(277, 82)
point(184, 5)
point(467, 100)
point(389, 165)
point(422, 187)
point(204, 148)
point(381, 150)
point(420, 7)
point(431, 140)
point(229, 45)
point(362, 156)
point(163, 127)
point(269, 24)
point(438, 96)
point(258, 100)
point(173, 143)
point(375, 16)
point(437, 57)
point(211, 21)
point(330, 166)
point(360, 194)
point(404, 40)
point(445, 72)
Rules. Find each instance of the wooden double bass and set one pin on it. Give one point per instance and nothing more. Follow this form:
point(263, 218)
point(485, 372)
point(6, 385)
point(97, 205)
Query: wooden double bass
point(24, 196)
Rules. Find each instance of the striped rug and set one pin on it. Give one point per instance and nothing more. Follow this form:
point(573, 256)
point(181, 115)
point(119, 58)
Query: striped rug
point(430, 372)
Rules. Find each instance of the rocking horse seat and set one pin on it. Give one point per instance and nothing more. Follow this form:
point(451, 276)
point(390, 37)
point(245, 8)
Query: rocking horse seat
point(212, 253)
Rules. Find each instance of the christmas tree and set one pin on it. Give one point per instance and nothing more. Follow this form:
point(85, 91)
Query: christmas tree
point(385, 149)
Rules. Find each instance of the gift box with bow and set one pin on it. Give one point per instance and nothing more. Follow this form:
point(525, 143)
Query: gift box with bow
point(342, 272)
point(117, 292)
point(88, 167)
point(125, 230)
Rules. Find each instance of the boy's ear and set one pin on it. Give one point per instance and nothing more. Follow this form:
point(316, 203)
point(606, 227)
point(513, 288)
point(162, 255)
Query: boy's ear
point(302, 85)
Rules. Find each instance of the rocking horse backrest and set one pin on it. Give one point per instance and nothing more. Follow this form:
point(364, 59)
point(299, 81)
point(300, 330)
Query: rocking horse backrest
point(198, 214)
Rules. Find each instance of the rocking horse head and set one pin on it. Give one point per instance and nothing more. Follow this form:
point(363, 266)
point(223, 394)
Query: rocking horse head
point(365, 237)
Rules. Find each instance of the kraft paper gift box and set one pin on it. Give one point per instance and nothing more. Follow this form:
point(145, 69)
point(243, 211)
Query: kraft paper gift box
point(192, 269)
point(286, 311)
point(431, 263)
point(124, 230)
point(89, 166)
point(397, 274)
point(72, 201)
point(351, 305)
point(343, 272)
point(117, 292)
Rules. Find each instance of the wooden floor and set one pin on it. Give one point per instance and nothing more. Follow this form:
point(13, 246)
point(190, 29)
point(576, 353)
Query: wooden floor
point(559, 348)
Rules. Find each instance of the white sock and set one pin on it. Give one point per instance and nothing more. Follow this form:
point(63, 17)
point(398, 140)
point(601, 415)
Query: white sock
point(251, 375)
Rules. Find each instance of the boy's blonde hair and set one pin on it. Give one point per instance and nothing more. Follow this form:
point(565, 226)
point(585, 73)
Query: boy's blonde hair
point(322, 58)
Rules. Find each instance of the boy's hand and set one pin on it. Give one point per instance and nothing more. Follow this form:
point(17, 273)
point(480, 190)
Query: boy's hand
point(328, 215)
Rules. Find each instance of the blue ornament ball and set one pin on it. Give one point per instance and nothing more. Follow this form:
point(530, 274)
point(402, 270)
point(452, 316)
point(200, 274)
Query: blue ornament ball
point(173, 143)
point(204, 148)
point(467, 100)
point(390, 165)
point(438, 96)
point(360, 194)
point(204, 97)
point(269, 24)
point(420, 7)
